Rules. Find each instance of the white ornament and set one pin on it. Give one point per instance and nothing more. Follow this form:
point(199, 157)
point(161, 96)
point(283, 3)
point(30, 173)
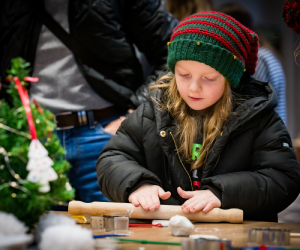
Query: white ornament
point(180, 226)
point(15, 242)
point(66, 237)
point(50, 220)
point(13, 232)
point(40, 166)
point(11, 225)
point(68, 186)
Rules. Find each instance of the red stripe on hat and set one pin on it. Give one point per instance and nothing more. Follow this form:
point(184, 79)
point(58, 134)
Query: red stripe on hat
point(196, 14)
point(211, 34)
point(251, 35)
point(224, 30)
point(241, 26)
point(202, 14)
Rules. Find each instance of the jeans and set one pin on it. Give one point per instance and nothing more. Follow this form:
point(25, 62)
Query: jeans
point(83, 146)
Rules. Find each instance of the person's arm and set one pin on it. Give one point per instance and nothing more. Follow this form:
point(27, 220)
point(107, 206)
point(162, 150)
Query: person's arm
point(274, 182)
point(277, 79)
point(269, 69)
point(121, 165)
point(149, 26)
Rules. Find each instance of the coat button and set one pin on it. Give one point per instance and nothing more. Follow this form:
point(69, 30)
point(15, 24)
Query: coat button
point(163, 133)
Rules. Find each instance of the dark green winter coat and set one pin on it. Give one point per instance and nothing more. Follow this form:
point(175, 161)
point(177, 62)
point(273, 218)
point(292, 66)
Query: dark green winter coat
point(252, 166)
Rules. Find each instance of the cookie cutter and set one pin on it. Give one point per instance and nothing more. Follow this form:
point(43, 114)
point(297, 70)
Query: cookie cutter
point(269, 236)
point(206, 244)
point(110, 223)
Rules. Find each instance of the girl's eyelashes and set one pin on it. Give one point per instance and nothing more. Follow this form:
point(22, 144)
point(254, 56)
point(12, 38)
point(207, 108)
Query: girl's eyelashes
point(209, 79)
point(205, 78)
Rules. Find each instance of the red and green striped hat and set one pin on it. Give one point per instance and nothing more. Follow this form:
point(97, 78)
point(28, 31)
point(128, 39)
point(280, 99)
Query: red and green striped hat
point(217, 40)
point(291, 14)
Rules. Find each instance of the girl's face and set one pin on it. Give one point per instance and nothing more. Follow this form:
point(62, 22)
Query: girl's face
point(199, 85)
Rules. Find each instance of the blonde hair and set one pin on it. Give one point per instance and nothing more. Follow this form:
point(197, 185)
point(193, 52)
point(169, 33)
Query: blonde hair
point(191, 124)
point(184, 8)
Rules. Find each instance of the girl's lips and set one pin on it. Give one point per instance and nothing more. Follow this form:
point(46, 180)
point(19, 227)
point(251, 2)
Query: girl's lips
point(195, 99)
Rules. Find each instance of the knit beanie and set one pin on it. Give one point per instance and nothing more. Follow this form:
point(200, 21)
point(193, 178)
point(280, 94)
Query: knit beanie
point(217, 40)
point(291, 14)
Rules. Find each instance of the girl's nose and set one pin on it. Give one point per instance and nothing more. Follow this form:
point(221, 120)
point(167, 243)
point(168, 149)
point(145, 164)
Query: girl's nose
point(195, 86)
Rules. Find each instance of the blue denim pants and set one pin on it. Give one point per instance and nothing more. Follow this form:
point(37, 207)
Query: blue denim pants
point(83, 146)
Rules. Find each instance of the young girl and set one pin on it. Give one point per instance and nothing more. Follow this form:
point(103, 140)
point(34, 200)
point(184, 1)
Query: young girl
point(209, 137)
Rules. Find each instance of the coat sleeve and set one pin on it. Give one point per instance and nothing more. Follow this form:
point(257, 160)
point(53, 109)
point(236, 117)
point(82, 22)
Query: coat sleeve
point(121, 165)
point(149, 26)
point(274, 180)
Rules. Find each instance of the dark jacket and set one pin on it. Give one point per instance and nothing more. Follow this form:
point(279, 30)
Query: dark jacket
point(252, 165)
point(109, 29)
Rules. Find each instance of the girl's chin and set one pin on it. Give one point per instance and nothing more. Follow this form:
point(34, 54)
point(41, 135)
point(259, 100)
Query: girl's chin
point(197, 108)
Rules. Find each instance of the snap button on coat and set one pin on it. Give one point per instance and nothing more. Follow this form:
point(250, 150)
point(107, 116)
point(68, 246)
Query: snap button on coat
point(163, 133)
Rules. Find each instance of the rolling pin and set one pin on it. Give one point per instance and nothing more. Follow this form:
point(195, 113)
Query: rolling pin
point(165, 212)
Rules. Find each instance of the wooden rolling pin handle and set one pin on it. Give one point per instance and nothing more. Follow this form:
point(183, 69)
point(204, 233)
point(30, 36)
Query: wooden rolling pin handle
point(165, 212)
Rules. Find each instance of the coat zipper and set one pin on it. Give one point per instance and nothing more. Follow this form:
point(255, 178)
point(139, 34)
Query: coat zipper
point(216, 163)
point(219, 155)
point(181, 161)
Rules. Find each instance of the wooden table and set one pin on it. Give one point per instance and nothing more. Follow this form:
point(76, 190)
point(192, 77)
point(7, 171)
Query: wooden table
point(237, 233)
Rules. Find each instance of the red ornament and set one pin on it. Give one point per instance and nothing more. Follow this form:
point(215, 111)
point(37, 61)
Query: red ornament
point(26, 78)
point(37, 105)
point(8, 79)
point(25, 100)
point(31, 79)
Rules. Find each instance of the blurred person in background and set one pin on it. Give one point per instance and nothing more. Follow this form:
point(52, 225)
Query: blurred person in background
point(181, 9)
point(269, 68)
point(88, 102)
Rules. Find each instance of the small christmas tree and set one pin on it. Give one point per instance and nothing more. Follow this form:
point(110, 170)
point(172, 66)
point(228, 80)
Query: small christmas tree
point(28, 190)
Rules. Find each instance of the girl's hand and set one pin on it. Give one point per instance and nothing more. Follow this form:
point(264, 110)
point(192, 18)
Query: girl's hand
point(204, 200)
point(148, 196)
